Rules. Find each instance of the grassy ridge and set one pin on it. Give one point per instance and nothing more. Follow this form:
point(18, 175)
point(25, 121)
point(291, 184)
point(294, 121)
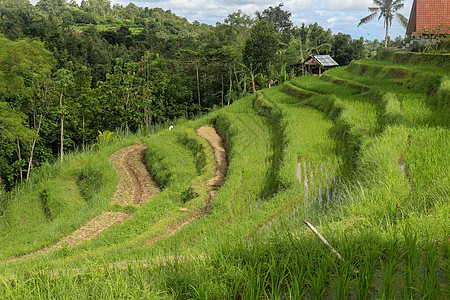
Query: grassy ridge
point(363, 159)
point(37, 215)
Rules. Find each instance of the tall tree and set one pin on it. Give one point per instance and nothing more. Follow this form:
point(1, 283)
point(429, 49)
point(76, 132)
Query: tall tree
point(261, 47)
point(386, 9)
point(52, 6)
point(280, 19)
point(64, 80)
point(25, 67)
point(345, 49)
point(12, 130)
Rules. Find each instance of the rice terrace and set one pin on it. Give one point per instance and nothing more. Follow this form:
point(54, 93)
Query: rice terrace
point(216, 208)
point(145, 156)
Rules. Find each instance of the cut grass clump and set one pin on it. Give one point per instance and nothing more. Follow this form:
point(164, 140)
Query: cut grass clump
point(443, 95)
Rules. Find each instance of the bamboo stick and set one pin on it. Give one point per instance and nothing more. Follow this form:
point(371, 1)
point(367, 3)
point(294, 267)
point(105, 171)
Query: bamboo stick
point(339, 256)
point(323, 239)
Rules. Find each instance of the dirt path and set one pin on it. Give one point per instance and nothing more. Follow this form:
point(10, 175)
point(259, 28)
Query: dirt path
point(135, 186)
point(218, 146)
point(220, 155)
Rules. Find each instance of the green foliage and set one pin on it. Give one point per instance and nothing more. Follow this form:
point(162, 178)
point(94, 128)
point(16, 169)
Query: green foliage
point(24, 65)
point(12, 125)
point(443, 95)
point(261, 46)
point(345, 49)
point(105, 137)
point(375, 134)
point(280, 19)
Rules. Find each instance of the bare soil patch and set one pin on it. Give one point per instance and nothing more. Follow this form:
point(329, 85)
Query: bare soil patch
point(220, 154)
point(218, 146)
point(135, 184)
point(92, 228)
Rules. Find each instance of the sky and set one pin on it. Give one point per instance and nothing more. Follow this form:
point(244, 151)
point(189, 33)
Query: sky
point(338, 15)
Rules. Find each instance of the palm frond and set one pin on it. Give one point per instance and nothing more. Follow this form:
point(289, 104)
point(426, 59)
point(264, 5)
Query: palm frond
point(397, 6)
point(402, 19)
point(374, 9)
point(324, 46)
point(368, 18)
point(379, 2)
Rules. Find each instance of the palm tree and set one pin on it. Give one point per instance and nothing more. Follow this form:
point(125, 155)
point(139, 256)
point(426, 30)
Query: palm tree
point(386, 9)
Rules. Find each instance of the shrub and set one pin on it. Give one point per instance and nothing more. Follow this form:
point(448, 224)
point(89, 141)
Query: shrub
point(443, 95)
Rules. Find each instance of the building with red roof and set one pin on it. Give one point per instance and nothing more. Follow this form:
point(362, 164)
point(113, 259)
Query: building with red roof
point(429, 17)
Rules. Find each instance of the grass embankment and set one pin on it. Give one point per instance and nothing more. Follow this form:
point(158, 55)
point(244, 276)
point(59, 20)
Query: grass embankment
point(37, 214)
point(366, 164)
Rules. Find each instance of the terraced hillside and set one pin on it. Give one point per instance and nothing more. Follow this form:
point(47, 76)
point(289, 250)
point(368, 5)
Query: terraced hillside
point(216, 208)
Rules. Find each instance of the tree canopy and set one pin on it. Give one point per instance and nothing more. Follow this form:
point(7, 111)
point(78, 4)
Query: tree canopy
point(69, 70)
point(261, 46)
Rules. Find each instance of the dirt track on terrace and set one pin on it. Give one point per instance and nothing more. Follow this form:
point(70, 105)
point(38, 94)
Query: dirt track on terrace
point(220, 155)
point(135, 186)
point(218, 146)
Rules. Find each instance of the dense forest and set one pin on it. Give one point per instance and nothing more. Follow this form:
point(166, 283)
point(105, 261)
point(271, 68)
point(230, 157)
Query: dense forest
point(69, 73)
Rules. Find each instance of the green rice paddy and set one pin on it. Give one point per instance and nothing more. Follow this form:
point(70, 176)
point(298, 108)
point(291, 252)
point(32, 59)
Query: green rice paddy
point(363, 159)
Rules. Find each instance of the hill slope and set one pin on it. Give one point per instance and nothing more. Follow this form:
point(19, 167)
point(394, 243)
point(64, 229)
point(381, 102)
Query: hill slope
point(361, 153)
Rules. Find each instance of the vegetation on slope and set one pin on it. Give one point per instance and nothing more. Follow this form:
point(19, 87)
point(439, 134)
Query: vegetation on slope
point(367, 166)
point(91, 67)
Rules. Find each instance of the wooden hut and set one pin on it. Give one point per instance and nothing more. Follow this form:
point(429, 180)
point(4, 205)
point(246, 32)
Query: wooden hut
point(316, 63)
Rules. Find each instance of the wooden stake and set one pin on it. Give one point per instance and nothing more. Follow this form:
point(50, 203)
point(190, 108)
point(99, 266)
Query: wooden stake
point(323, 239)
point(339, 256)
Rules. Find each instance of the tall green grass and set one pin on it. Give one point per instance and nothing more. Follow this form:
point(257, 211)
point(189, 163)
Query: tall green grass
point(390, 223)
point(38, 215)
point(316, 84)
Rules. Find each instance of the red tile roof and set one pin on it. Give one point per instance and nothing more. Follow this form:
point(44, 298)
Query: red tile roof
point(429, 14)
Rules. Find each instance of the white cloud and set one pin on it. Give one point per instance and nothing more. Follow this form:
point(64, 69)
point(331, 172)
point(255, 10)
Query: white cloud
point(320, 12)
point(350, 19)
point(349, 4)
point(300, 21)
point(341, 15)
